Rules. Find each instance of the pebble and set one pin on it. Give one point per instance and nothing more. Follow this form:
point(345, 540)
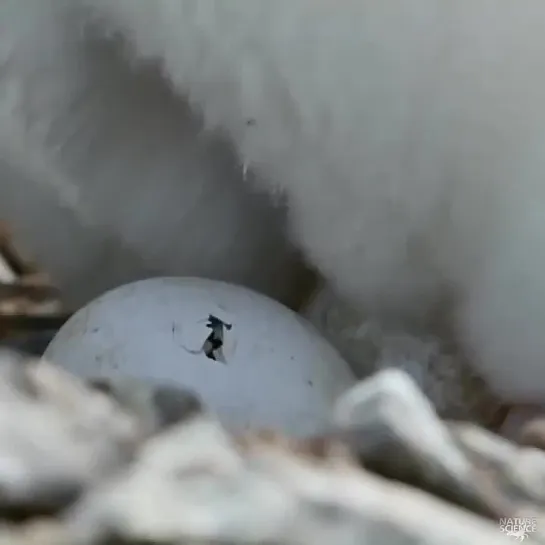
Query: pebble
point(123, 461)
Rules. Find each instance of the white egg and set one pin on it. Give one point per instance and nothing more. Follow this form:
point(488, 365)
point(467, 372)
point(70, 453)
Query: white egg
point(251, 360)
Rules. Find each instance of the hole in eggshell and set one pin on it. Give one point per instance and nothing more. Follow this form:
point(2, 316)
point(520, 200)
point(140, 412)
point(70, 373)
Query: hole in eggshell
point(213, 344)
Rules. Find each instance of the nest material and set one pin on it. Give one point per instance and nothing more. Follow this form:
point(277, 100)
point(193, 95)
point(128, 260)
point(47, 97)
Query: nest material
point(31, 309)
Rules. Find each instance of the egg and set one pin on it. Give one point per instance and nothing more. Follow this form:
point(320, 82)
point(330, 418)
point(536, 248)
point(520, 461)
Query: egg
point(252, 361)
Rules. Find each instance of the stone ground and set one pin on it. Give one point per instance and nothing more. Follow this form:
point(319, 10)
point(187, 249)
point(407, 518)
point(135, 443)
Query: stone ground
point(105, 463)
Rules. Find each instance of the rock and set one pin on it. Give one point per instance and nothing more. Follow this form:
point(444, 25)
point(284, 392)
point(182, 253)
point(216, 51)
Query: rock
point(56, 437)
point(129, 462)
point(396, 432)
point(519, 471)
point(194, 484)
point(189, 482)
